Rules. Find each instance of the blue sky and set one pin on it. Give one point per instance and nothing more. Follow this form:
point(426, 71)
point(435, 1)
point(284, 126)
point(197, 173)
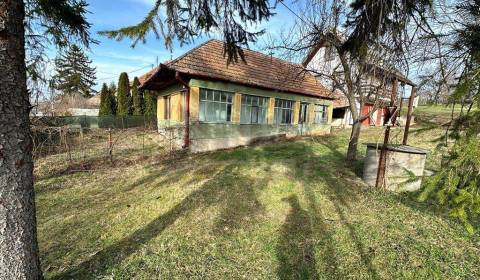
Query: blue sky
point(112, 57)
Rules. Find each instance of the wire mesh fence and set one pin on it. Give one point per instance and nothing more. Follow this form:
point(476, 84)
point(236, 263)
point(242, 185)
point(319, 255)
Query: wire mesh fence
point(85, 143)
point(99, 121)
point(81, 148)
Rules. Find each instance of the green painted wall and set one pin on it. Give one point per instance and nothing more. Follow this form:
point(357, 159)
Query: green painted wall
point(169, 90)
point(255, 91)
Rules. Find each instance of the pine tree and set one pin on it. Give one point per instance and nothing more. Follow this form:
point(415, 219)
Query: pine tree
point(123, 96)
point(55, 21)
point(74, 72)
point(150, 104)
point(106, 102)
point(137, 97)
point(113, 89)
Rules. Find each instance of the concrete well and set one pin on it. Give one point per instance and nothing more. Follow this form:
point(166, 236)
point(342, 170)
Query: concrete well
point(403, 161)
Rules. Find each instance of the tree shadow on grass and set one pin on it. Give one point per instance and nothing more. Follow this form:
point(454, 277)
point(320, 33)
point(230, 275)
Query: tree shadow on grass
point(309, 168)
point(337, 194)
point(212, 192)
point(295, 250)
point(240, 205)
point(313, 166)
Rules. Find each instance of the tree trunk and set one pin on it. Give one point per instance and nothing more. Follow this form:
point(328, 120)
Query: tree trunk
point(353, 143)
point(18, 236)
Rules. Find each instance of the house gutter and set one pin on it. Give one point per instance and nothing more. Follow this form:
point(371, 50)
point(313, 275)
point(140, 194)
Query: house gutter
point(186, 88)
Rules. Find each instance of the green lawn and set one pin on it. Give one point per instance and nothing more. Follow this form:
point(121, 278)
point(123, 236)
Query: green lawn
point(436, 114)
point(291, 210)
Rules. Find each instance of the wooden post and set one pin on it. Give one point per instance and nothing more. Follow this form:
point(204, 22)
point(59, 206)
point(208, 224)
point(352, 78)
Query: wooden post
point(110, 145)
point(82, 143)
point(67, 145)
point(383, 152)
point(409, 115)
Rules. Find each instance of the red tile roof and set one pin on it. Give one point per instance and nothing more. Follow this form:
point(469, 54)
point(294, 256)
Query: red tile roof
point(340, 100)
point(260, 70)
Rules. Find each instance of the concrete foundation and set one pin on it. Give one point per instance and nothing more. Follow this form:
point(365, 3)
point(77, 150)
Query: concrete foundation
point(404, 168)
point(215, 136)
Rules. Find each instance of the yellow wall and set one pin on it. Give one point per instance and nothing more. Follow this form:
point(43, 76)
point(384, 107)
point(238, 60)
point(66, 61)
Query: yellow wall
point(296, 111)
point(330, 113)
point(311, 113)
point(194, 103)
point(237, 107)
point(271, 110)
point(176, 107)
point(160, 108)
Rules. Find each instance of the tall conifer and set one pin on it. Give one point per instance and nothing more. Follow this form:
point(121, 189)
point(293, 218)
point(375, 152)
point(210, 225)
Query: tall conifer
point(112, 93)
point(74, 72)
point(137, 97)
point(123, 95)
point(106, 102)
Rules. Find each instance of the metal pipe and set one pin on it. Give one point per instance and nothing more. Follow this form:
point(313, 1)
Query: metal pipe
point(186, 136)
point(383, 152)
point(409, 115)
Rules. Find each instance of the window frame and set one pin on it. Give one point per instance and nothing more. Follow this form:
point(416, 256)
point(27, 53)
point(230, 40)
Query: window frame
point(323, 119)
point(213, 100)
point(283, 110)
point(261, 108)
point(303, 105)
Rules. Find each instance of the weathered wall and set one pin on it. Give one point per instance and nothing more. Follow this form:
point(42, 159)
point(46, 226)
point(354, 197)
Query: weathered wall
point(271, 110)
point(255, 91)
point(396, 176)
point(296, 110)
point(212, 136)
point(194, 103)
point(237, 107)
point(208, 136)
point(176, 105)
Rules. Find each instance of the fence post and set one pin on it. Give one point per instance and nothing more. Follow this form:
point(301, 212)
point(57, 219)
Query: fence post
point(143, 143)
point(67, 146)
point(110, 145)
point(82, 143)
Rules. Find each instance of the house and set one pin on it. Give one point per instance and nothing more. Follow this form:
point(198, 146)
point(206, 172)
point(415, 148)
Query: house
point(217, 106)
point(323, 60)
point(67, 105)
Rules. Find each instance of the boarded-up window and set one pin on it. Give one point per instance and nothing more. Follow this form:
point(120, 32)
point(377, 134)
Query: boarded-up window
point(254, 109)
point(215, 106)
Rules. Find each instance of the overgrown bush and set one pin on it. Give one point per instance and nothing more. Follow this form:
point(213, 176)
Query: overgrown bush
point(457, 184)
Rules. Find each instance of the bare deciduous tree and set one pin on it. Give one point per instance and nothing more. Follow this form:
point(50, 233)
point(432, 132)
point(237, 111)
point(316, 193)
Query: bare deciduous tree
point(364, 75)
